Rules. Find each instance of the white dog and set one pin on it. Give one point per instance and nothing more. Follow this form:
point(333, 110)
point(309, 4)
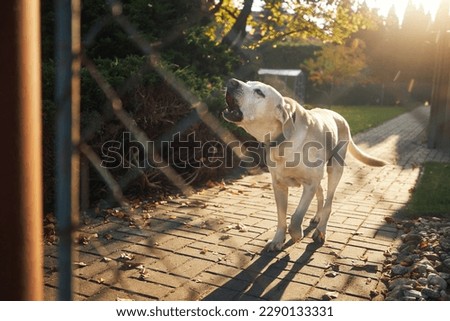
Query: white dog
point(300, 145)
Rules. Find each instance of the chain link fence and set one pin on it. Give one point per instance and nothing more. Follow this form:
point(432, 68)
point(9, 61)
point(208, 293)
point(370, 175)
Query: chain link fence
point(163, 143)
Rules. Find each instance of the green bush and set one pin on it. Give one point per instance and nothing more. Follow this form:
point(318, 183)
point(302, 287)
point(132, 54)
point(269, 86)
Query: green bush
point(151, 101)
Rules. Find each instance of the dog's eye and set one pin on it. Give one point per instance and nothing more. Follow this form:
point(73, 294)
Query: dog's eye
point(259, 93)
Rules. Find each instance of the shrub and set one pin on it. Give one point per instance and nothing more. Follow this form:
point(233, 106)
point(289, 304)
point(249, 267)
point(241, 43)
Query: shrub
point(152, 102)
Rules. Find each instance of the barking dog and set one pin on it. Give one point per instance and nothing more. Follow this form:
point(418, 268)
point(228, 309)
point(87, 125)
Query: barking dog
point(301, 145)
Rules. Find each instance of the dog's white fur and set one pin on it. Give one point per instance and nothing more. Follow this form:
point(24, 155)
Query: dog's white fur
point(266, 114)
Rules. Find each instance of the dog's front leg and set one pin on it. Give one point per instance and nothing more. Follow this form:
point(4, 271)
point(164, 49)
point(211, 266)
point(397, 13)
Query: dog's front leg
point(281, 200)
point(295, 228)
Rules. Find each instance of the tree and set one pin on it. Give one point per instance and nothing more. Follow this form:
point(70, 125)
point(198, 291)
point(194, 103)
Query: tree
point(415, 35)
point(176, 31)
point(236, 35)
point(281, 20)
point(337, 66)
point(392, 22)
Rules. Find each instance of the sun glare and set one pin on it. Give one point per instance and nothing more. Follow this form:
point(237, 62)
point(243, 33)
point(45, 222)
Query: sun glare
point(429, 6)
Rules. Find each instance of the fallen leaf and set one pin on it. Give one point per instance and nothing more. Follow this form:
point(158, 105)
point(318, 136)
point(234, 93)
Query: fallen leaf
point(374, 293)
point(363, 257)
point(389, 219)
point(204, 251)
point(133, 265)
point(330, 295)
point(224, 237)
point(331, 274)
point(83, 239)
point(52, 239)
point(423, 244)
point(126, 256)
point(196, 203)
point(50, 217)
point(333, 266)
point(106, 259)
point(146, 216)
point(100, 280)
point(107, 236)
point(336, 254)
point(210, 184)
point(227, 228)
point(249, 253)
point(222, 186)
point(118, 214)
point(80, 264)
point(241, 227)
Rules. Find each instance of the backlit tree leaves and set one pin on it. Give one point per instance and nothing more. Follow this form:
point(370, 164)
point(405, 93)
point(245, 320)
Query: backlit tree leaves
point(285, 20)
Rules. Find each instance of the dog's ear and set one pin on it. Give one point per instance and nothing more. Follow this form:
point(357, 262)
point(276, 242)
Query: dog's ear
point(284, 113)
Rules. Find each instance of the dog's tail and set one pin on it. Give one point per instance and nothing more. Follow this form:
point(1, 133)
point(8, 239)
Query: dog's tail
point(363, 157)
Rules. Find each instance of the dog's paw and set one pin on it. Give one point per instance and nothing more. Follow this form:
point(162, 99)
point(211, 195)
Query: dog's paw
point(315, 220)
point(278, 241)
point(319, 237)
point(296, 234)
point(274, 246)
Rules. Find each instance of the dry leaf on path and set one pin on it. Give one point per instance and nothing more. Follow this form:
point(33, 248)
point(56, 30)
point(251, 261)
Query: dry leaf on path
point(337, 255)
point(126, 256)
point(330, 295)
point(107, 236)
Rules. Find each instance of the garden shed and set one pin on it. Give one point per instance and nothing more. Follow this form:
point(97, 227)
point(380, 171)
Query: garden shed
point(289, 82)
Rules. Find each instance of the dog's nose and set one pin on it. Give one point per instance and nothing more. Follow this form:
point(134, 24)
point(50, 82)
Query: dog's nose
point(232, 84)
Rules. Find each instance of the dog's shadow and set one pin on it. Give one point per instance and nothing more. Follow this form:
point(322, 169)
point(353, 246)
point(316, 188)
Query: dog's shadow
point(253, 284)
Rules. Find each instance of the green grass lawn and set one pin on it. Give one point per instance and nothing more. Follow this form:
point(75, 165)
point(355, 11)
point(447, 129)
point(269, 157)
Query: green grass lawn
point(361, 118)
point(432, 193)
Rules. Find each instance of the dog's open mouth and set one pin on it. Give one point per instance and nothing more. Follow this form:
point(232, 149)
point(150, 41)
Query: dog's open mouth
point(232, 113)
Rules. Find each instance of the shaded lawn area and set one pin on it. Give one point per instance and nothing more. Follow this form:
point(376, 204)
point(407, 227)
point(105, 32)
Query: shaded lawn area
point(432, 193)
point(361, 118)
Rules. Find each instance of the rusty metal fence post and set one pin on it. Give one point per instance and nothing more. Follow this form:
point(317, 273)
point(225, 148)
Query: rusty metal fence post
point(67, 96)
point(21, 271)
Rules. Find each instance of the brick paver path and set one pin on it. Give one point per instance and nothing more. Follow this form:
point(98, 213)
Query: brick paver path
point(210, 246)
